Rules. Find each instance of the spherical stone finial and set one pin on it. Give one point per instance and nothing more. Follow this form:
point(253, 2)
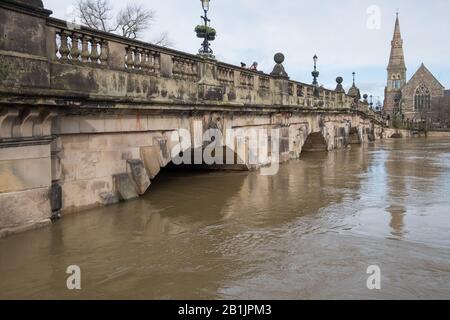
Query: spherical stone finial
point(279, 58)
point(339, 80)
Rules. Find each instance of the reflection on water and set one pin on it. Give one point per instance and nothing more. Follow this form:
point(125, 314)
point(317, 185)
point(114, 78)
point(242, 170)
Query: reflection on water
point(309, 232)
point(397, 220)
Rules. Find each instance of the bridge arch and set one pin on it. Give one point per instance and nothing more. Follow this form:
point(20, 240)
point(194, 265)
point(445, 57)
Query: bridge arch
point(315, 142)
point(354, 136)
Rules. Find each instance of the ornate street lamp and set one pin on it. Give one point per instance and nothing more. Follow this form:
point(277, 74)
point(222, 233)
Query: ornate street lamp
point(205, 5)
point(206, 34)
point(315, 75)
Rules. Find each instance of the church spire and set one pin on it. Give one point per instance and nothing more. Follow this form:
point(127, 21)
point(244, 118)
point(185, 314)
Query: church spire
point(396, 72)
point(397, 58)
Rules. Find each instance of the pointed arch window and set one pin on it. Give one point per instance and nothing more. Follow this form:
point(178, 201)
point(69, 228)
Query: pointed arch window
point(422, 98)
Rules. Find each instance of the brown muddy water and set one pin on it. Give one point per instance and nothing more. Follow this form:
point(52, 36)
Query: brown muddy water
point(309, 232)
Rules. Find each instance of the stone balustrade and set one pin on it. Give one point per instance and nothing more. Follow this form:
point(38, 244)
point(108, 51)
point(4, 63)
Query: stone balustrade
point(158, 71)
point(264, 82)
point(225, 75)
point(73, 45)
point(185, 68)
point(247, 80)
point(142, 59)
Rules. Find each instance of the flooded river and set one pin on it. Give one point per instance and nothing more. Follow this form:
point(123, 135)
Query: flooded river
point(309, 232)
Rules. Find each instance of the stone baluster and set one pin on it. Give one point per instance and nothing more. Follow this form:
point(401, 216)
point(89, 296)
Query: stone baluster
point(148, 61)
point(130, 58)
point(195, 70)
point(185, 66)
point(191, 70)
point(156, 62)
point(188, 68)
point(181, 68)
point(145, 60)
point(137, 58)
point(104, 53)
point(127, 58)
point(75, 51)
point(64, 48)
point(85, 49)
point(175, 66)
point(94, 50)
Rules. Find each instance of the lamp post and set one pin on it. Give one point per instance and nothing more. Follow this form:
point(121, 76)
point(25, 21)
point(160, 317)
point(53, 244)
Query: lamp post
point(205, 49)
point(315, 75)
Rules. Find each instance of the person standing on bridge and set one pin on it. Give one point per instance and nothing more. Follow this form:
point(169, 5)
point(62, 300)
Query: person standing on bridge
point(254, 66)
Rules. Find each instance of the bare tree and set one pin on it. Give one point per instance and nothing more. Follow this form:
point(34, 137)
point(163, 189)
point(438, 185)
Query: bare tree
point(163, 40)
point(130, 22)
point(133, 20)
point(95, 14)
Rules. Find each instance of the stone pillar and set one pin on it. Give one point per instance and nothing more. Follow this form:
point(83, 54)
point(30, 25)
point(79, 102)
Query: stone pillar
point(209, 87)
point(25, 63)
point(25, 168)
point(340, 93)
point(281, 81)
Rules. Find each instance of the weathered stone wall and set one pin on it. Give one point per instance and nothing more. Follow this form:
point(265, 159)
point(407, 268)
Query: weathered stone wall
point(425, 77)
point(91, 159)
point(396, 133)
point(25, 180)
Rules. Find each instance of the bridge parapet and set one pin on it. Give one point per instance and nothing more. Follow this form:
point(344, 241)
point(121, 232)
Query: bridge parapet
point(99, 67)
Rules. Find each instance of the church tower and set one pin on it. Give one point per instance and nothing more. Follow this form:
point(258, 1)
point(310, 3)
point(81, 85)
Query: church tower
point(396, 71)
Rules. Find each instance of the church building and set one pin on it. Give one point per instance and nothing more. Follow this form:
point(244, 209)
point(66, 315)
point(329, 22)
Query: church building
point(414, 99)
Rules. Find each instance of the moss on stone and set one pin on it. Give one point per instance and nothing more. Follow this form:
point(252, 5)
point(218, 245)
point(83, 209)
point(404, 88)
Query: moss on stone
point(5, 70)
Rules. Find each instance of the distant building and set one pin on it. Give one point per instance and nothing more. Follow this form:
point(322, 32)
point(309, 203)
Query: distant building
point(413, 99)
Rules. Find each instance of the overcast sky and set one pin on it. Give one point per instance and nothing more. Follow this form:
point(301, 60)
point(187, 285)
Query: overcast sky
point(337, 31)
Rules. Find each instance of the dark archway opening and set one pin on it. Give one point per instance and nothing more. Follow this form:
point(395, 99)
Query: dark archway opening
point(353, 137)
point(315, 143)
point(396, 136)
point(194, 159)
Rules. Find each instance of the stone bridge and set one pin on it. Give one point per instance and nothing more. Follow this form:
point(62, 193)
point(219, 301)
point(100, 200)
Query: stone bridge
point(88, 118)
